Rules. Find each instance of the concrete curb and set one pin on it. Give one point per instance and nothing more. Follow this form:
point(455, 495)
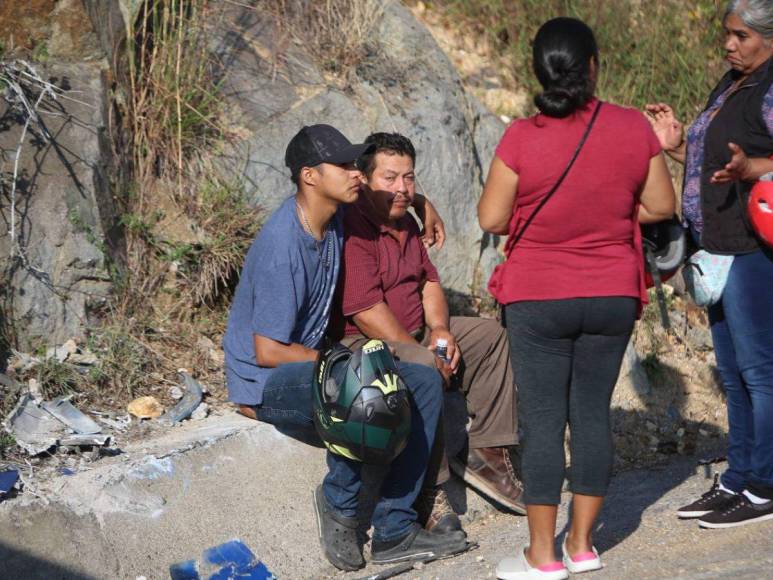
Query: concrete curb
point(167, 499)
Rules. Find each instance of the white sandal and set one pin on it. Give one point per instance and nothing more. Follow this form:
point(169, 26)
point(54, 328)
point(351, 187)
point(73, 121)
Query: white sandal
point(518, 568)
point(585, 562)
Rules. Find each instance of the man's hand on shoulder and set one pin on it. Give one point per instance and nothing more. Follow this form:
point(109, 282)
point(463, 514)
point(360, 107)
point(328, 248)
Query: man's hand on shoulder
point(433, 232)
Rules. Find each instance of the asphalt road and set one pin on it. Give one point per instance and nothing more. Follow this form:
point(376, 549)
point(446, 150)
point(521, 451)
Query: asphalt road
point(638, 535)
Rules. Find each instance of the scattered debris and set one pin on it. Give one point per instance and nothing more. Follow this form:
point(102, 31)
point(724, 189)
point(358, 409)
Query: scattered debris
point(112, 420)
point(200, 413)
point(8, 481)
point(33, 386)
point(404, 567)
point(62, 353)
point(89, 440)
point(189, 402)
point(34, 429)
point(229, 560)
point(176, 393)
point(145, 408)
point(62, 409)
point(39, 426)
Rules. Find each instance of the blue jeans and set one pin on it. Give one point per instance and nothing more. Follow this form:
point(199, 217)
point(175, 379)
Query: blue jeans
point(287, 404)
point(742, 330)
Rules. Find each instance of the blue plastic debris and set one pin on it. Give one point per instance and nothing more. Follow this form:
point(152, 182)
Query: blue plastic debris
point(7, 480)
point(188, 570)
point(233, 552)
point(65, 471)
point(229, 561)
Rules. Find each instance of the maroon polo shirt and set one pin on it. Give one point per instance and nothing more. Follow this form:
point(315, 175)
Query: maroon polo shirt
point(378, 267)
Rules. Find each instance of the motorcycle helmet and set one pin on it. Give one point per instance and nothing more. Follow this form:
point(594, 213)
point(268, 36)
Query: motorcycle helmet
point(760, 209)
point(361, 408)
point(667, 242)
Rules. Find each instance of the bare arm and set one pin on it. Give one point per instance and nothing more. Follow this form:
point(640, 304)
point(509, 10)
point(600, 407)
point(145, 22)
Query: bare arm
point(435, 306)
point(658, 200)
point(271, 353)
point(495, 207)
point(379, 321)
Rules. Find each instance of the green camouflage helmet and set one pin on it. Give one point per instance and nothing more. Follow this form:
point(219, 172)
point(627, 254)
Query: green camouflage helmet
point(367, 417)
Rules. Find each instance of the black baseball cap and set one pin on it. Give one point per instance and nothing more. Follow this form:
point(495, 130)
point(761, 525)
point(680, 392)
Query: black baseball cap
point(317, 144)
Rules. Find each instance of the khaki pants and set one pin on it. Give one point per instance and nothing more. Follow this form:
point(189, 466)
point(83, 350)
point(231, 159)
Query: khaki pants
point(484, 376)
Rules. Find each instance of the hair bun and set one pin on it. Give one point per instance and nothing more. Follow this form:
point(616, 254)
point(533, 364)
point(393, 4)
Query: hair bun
point(560, 101)
point(563, 50)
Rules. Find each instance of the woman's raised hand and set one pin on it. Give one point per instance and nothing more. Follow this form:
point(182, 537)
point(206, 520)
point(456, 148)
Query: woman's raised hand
point(667, 128)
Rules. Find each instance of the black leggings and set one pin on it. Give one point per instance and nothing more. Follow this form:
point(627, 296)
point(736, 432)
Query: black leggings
point(566, 357)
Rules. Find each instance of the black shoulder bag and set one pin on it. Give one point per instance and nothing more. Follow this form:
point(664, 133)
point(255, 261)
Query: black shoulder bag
point(549, 194)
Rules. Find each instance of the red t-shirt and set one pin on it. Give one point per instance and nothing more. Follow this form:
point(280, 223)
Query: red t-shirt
point(377, 267)
point(585, 241)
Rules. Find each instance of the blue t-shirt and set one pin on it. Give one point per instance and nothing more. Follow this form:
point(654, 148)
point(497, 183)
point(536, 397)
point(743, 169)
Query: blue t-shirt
point(284, 293)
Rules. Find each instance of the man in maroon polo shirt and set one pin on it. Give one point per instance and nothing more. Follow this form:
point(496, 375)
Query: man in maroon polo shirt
point(390, 290)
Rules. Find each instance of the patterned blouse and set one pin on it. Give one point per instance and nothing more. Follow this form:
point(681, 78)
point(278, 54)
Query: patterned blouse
point(696, 135)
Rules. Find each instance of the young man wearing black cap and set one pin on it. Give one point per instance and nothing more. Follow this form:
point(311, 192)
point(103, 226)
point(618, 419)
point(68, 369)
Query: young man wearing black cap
point(276, 325)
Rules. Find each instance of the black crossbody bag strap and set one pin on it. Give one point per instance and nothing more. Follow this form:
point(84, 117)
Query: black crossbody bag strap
point(560, 179)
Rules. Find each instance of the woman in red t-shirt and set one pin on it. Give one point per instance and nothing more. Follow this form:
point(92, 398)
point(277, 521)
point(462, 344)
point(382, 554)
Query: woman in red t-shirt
point(574, 284)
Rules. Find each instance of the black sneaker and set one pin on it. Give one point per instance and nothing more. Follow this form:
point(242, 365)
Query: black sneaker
point(337, 535)
point(419, 544)
point(713, 500)
point(740, 512)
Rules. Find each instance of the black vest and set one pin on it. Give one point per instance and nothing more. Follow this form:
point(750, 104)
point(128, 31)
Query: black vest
point(726, 228)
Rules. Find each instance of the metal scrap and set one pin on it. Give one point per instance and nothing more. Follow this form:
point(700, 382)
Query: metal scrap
point(62, 409)
point(34, 428)
point(37, 427)
point(187, 405)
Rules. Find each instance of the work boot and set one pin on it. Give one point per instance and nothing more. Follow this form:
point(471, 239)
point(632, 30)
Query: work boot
point(419, 544)
point(490, 471)
point(337, 535)
point(435, 512)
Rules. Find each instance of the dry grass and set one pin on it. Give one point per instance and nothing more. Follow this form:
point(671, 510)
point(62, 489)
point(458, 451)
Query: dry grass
point(337, 33)
point(183, 255)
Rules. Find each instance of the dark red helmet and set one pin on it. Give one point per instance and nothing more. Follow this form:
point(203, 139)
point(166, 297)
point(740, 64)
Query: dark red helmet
point(761, 210)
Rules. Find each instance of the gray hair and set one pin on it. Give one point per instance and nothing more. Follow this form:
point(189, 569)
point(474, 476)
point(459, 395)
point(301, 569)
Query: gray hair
point(756, 14)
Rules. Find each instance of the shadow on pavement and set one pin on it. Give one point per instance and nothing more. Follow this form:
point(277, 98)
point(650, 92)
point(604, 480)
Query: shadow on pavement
point(677, 445)
point(18, 564)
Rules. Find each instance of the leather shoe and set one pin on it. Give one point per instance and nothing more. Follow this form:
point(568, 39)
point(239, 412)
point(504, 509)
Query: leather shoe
point(490, 471)
point(435, 511)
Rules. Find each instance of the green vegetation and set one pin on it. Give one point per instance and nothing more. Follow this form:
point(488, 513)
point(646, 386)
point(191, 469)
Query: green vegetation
point(7, 443)
point(187, 229)
point(660, 50)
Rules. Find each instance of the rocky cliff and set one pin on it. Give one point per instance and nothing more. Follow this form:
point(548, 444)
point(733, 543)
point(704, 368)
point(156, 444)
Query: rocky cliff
point(72, 171)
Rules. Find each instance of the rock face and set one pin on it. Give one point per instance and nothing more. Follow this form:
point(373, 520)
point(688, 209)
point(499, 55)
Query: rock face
point(65, 220)
point(406, 84)
point(66, 217)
